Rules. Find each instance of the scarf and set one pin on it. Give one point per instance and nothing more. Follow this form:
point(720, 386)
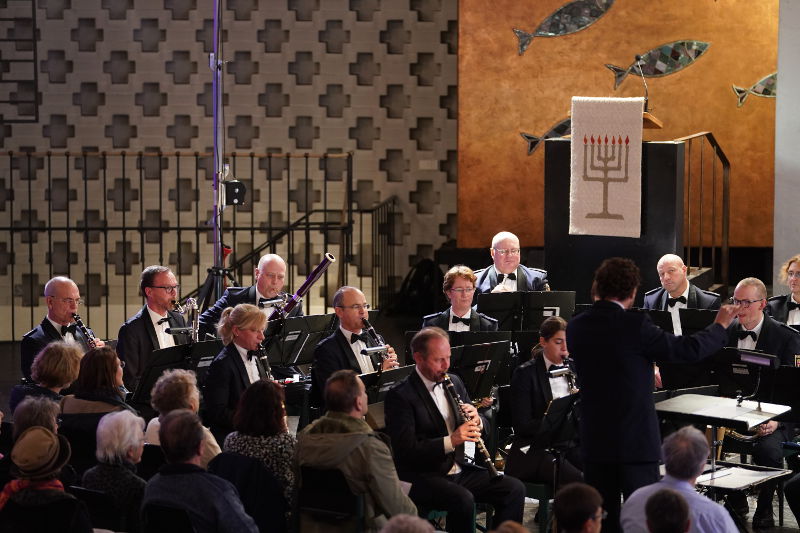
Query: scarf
point(17, 485)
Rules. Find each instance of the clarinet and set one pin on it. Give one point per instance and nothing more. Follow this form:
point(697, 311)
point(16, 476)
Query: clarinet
point(461, 417)
point(381, 348)
point(91, 340)
point(262, 355)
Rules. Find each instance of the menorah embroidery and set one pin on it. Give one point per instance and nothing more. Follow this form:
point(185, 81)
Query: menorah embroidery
point(606, 158)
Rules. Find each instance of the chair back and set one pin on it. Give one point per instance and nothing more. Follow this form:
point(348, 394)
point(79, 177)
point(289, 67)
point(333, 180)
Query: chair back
point(81, 432)
point(161, 518)
point(324, 496)
point(102, 509)
point(255, 485)
point(152, 460)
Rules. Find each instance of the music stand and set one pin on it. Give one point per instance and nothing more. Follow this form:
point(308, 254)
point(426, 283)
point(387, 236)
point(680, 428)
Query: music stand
point(694, 320)
point(661, 318)
point(195, 357)
point(786, 392)
point(477, 366)
point(505, 307)
point(739, 372)
point(558, 430)
point(377, 385)
point(537, 306)
point(293, 343)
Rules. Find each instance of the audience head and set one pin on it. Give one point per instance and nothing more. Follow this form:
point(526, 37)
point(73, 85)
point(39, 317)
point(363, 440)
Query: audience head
point(345, 393)
point(578, 508)
point(406, 523)
point(685, 453)
point(505, 252)
point(553, 340)
point(431, 349)
point(261, 412)
point(509, 526)
point(181, 436)
point(270, 275)
point(57, 365)
point(175, 389)
point(100, 371)
point(39, 454)
point(63, 298)
point(35, 411)
point(350, 305)
point(752, 295)
point(243, 324)
point(672, 274)
point(120, 438)
point(790, 274)
point(151, 285)
point(667, 512)
point(617, 278)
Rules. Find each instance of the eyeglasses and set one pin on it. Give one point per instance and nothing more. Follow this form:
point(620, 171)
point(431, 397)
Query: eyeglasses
point(793, 274)
point(602, 516)
point(744, 303)
point(468, 290)
point(507, 251)
point(121, 363)
point(70, 301)
point(355, 307)
point(168, 288)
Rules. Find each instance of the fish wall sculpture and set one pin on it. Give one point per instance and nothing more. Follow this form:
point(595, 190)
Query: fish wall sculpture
point(662, 60)
point(558, 130)
point(569, 18)
point(766, 87)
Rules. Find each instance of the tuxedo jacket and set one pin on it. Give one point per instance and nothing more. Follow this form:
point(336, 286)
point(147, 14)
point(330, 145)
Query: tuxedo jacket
point(417, 429)
point(778, 307)
point(137, 339)
point(697, 299)
point(614, 351)
point(775, 338)
point(331, 354)
point(232, 297)
point(528, 279)
point(39, 337)
point(477, 321)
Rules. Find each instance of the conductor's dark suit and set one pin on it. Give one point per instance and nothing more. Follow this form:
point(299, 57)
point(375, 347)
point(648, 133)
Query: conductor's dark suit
point(477, 321)
point(232, 297)
point(137, 339)
point(225, 382)
point(614, 351)
point(697, 299)
point(530, 397)
point(778, 307)
point(417, 429)
point(331, 354)
point(528, 279)
point(36, 339)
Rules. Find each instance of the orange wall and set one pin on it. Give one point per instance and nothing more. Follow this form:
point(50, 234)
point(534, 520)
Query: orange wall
point(502, 94)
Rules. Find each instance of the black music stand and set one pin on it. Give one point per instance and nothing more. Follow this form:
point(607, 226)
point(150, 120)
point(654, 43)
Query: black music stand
point(558, 430)
point(378, 384)
point(195, 357)
point(292, 342)
point(540, 305)
point(694, 320)
point(661, 318)
point(745, 372)
point(477, 366)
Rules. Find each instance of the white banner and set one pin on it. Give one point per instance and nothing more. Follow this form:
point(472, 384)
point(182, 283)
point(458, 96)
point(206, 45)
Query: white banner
point(606, 168)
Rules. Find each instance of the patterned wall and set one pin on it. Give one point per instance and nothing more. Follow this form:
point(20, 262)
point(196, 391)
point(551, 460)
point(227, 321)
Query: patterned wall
point(375, 77)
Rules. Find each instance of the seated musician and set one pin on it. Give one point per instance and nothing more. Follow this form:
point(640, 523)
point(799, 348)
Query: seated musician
point(506, 274)
point(342, 349)
point(459, 286)
point(753, 329)
point(532, 390)
point(786, 308)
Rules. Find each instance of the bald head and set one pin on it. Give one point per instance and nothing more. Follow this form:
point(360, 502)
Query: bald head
point(270, 275)
point(62, 296)
point(672, 274)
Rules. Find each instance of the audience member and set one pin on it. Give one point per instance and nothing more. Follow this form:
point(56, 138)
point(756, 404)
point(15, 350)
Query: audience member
point(36, 501)
point(406, 523)
point(53, 369)
point(35, 411)
point(97, 389)
point(177, 389)
point(667, 512)
point(578, 508)
point(509, 526)
point(120, 442)
point(211, 502)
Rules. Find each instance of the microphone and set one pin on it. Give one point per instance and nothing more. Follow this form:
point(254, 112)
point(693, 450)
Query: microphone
point(641, 73)
point(179, 331)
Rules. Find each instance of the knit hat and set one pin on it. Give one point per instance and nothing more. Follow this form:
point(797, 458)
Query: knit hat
point(39, 454)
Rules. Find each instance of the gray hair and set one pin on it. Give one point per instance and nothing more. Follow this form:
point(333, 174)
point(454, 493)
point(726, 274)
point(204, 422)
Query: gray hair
point(406, 523)
point(685, 453)
point(118, 433)
point(338, 297)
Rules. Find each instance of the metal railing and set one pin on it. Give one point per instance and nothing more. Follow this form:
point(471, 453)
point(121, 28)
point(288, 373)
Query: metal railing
point(707, 208)
point(101, 217)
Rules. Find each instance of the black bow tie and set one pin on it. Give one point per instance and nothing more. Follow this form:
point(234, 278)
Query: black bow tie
point(792, 305)
point(672, 301)
point(68, 329)
point(437, 383)
point(356, 337)
point(251, 354)
point(457, 319)
point(743, 334)
point(162, 320)
point(511, 276)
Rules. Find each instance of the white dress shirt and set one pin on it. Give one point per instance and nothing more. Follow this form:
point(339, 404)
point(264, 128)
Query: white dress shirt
point(558, 386)
point(165, 340)
point(510, 284)
point(68, 336)
point(249, 364)
point(440, 399)
point(458, 326)
point(676, 315)
point(793, 318)
point(748, 343)
point(364, 361)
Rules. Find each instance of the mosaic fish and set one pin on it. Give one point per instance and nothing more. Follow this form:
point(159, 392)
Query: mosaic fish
point(569, 18)
point(766, 87)
point(662, 60)
point(559, 130)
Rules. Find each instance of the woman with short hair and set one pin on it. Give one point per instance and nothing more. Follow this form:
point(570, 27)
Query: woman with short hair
point(53, 369)
point(177, 389)
point(120, 442)
point(459, 288)
point(98, 387)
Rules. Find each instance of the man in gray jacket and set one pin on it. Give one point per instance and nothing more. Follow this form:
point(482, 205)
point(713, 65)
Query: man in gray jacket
point(343, 440)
